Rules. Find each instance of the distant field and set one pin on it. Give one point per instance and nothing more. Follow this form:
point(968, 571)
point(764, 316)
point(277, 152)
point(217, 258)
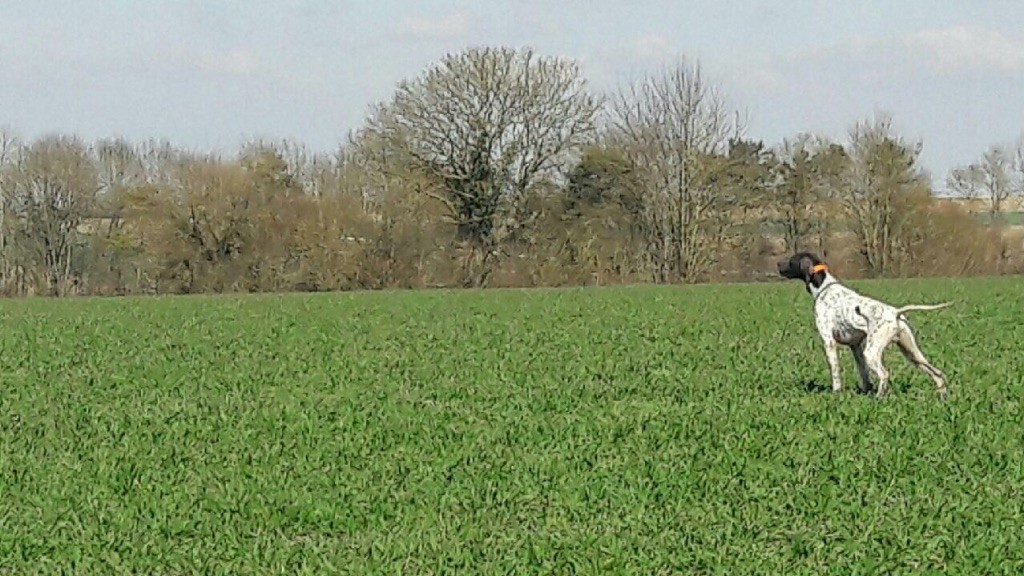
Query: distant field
point(654, 430)
point(1005, 218)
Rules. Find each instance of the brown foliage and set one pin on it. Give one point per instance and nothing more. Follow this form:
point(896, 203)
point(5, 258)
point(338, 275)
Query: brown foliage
point(947, 241)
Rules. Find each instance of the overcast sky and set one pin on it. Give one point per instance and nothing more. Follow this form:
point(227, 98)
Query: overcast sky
point(214, 73)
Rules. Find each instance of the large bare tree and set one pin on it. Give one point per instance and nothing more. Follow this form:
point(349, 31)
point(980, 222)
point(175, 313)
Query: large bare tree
point(487, 124)
point(53, 187)
point(676, 129)
point(882, 188)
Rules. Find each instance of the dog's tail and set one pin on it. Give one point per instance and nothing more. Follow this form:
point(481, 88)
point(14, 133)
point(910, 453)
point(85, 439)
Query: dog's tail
point(910, 307)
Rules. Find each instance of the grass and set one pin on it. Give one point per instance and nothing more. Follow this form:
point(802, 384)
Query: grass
point(1007, 218)
point(646, 430)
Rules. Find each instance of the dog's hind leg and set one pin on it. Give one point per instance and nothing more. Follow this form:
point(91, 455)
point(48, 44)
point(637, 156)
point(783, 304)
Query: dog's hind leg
point(908, 345)
point(874, 347)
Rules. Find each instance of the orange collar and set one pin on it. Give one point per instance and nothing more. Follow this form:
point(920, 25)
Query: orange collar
point(818, 268)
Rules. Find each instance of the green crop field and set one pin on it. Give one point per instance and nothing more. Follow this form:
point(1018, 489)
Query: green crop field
point(646, 430)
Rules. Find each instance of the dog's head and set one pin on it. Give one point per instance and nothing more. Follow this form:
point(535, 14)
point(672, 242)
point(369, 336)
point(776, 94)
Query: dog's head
point(803, 266)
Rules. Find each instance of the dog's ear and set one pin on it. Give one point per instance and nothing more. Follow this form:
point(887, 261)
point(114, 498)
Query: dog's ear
point(807, 264)
point(807, 261)
point(798, 266)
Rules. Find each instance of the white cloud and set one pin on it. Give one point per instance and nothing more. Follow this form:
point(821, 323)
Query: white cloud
point(876, 65)
point(941, 51)
point(453, 25)
point(966, 48)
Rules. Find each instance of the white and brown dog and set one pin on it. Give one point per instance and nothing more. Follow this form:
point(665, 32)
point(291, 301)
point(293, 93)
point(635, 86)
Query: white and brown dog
point(864, 324)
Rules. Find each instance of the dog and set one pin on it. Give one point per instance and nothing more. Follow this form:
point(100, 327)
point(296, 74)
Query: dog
point(867, 326)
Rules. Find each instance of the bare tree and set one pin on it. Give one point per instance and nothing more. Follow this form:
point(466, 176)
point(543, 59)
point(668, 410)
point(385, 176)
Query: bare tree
point(965, 181)
point(9, 147)
point(1017, 169)
point(118, 166)
point(676, 131)
point(162, 162)
point(882, 187)
point(295, 168)
point(487, 124)
point(991, 177)
point(53, 187)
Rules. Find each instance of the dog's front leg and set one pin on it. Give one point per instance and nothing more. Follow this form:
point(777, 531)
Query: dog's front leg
point(832, 355)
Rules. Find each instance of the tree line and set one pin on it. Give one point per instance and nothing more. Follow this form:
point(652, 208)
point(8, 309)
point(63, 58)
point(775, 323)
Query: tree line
point(496, 167)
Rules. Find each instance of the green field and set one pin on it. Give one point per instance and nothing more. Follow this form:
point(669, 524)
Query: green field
point(654, 430)
point(1008, 218)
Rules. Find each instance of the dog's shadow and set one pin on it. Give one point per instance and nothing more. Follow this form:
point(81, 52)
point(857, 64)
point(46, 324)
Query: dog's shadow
point(815, 387)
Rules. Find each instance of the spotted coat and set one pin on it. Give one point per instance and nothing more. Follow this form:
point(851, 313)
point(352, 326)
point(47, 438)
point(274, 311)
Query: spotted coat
point(865, 325)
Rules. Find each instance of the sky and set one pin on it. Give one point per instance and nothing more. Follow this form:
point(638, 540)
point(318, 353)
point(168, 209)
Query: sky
point(214, 74)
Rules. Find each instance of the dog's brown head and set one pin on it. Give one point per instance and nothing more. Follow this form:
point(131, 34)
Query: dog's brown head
point(803, 266)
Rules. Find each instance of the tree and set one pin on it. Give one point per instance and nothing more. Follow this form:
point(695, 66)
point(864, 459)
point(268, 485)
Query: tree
point(965, 181)
point(589, 232)
point(53, 187)
point(216, 226)
point(276, 168)
point(675, 131)
point(808, 171)
point(746, 179)
point(118, 166)
point(991, 177)
point(599, 178)
point(487, 125)
point(9, 148)
point(883, 186)
point(110, 259)
point(1017, 183)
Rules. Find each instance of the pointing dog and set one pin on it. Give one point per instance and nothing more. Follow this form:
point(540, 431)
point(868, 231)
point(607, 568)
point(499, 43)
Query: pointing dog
point(867, 326)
